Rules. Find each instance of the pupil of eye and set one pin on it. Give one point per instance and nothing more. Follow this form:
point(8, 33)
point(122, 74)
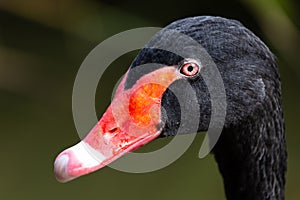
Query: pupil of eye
point(190, 68)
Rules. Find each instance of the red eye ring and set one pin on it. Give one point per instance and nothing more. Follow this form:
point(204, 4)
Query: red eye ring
point(189, 69)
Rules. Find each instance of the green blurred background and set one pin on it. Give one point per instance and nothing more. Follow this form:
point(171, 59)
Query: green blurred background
point(42, 44)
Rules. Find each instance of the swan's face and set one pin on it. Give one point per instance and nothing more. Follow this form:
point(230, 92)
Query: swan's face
point(143, 99)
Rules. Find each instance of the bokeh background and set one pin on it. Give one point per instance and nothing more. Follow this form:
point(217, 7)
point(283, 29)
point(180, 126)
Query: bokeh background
point(43, 43)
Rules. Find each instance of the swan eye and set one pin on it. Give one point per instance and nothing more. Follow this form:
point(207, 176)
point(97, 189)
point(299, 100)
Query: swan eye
point(189, 69)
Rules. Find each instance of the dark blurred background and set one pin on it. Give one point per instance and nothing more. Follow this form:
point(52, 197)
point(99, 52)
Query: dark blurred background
point(43, 43)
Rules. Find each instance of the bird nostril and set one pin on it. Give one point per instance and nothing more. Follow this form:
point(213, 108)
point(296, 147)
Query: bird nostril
point(113, 130)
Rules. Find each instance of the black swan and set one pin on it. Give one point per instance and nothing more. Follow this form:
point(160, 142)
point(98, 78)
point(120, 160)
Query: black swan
point(251, 151)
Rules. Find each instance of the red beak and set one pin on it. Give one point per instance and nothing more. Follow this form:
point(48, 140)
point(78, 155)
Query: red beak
point(130, 122)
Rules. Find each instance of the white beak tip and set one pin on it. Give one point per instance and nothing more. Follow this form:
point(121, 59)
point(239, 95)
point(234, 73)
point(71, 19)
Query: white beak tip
point(61, 168)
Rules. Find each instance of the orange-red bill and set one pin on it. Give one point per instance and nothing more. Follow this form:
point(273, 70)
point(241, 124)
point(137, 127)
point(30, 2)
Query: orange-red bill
point(130, 121)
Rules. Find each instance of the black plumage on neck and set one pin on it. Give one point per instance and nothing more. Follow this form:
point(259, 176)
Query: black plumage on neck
point(252, 157)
